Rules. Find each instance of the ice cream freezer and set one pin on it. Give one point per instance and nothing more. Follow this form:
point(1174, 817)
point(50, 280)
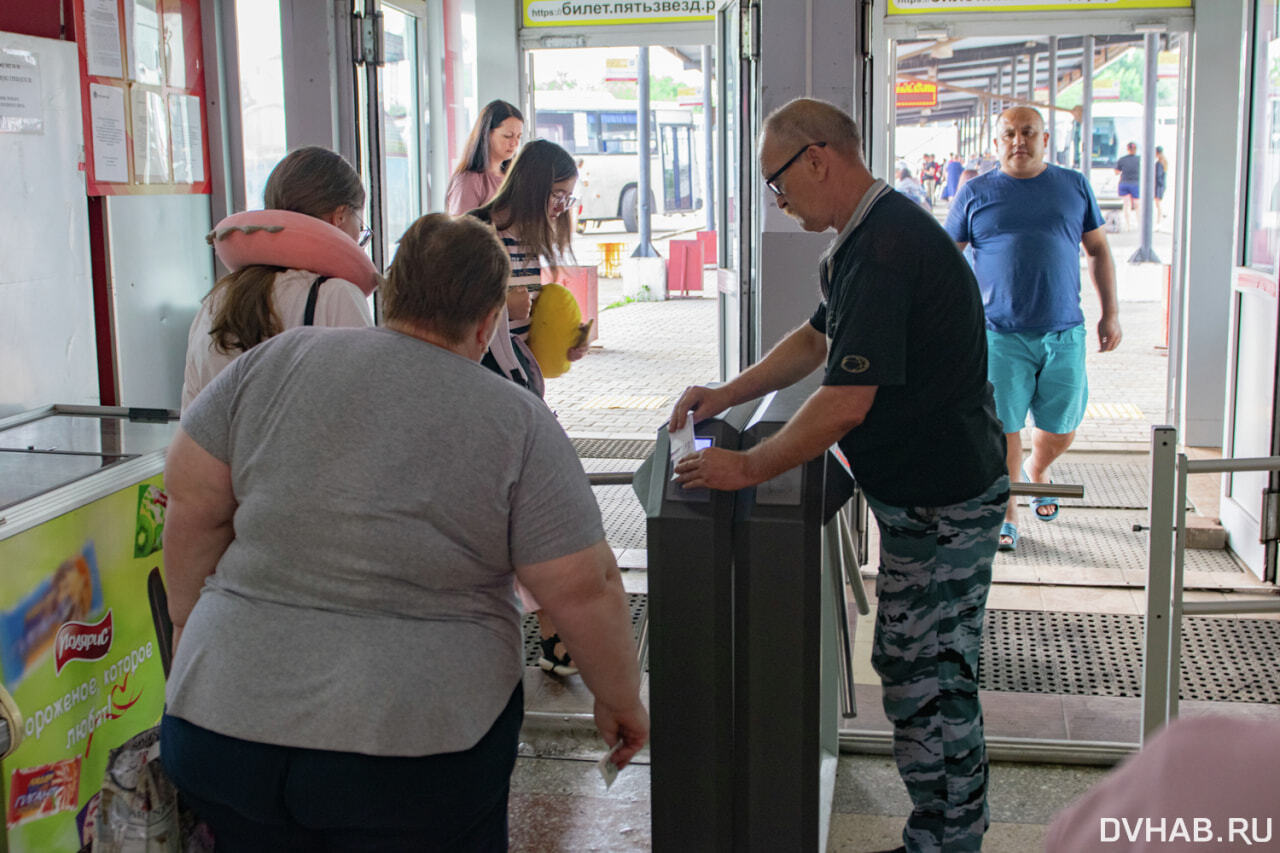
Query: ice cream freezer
point(82, 509)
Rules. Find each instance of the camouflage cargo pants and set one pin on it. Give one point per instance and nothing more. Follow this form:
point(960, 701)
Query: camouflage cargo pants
point(935, 572)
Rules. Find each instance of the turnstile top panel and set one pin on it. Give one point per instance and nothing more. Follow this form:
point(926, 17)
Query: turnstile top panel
point(25, 475)
point(112, 435)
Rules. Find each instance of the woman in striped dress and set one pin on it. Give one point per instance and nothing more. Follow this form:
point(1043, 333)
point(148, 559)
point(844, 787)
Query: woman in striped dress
point(531, 213)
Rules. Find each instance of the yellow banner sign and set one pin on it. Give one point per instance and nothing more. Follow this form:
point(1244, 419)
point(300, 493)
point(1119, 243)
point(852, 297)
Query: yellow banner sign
point(917, 93)
point(572, 13)
point(927, 7)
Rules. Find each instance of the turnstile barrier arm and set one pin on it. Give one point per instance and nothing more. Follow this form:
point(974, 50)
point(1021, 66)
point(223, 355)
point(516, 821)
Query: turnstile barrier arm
point(833, 546)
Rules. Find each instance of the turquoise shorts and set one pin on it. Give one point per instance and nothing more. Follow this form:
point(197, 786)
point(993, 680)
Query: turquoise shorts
point(1040, 373)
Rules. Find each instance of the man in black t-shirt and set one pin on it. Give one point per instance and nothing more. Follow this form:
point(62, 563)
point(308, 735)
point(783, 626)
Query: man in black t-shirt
point(1129, 168)
point(900, 329)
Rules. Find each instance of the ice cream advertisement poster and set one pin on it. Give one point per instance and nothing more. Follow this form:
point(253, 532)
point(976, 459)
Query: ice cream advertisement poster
point(78, 653)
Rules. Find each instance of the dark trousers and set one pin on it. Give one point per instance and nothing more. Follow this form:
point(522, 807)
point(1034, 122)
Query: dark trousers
point(257, 796)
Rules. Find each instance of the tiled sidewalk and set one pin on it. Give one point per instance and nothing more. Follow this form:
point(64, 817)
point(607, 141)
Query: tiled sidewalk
point(650, 351)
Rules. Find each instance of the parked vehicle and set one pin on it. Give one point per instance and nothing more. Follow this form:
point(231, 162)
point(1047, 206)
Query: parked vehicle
point(601, 132)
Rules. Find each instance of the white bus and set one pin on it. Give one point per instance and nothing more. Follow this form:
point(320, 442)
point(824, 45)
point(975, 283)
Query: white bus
point(600, 132)
point(1115, 125)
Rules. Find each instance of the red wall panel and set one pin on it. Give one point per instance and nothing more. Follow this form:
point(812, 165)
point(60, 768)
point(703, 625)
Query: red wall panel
point(35, 18)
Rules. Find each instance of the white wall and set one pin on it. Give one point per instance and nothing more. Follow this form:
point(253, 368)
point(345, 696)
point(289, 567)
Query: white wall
point(807, 49)
point(1217, 126)
point(497, 52)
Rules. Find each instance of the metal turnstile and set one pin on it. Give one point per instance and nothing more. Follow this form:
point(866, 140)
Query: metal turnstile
point(787, 662)
point(690, 568)
point(748, 654)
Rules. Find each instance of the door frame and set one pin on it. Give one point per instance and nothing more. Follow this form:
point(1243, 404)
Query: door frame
point(888, 30)
point(1236, 516)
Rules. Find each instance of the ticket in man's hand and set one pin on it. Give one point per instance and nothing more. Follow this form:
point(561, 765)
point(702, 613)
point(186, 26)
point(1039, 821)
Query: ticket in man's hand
point(682, 443)
point(608, 770)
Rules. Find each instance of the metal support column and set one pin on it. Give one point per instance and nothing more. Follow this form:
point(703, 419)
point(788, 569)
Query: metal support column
point(1031, 77)
point(1086, 107)
point(1158, 631)
point(708, 142)
point(645, 248)
point(1053, 99)
point(1148, 186)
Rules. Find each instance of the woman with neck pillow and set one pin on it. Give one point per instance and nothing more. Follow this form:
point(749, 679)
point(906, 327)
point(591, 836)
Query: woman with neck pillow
point(531, 215)
point(299, 262)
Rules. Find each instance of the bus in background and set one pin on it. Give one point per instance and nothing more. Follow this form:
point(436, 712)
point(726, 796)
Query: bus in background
point(1115, 125)
point(600, 131)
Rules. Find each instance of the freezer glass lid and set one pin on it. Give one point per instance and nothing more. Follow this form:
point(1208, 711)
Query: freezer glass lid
point(106, 434)
point(25, 475)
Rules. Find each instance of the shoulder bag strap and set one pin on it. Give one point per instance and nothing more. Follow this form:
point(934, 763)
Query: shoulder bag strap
point(309, 315)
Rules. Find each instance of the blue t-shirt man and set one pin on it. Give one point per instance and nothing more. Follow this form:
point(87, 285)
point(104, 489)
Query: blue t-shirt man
point(1025, 223)
point(1025, 234)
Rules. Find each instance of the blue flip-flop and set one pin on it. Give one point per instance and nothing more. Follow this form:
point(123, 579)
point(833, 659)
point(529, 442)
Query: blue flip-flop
point(1036, 503)
point(1009, 529)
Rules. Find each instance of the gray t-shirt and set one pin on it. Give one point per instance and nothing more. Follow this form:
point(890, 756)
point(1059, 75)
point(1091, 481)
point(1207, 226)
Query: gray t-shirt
point(386, 488)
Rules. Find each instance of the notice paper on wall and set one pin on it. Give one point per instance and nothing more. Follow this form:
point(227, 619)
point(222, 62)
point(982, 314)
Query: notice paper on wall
point(175, 52)
point(20, 108)
point(145, 57)
point(184, 127)
point(102, 38)
point(150, 137)
point(110, 153)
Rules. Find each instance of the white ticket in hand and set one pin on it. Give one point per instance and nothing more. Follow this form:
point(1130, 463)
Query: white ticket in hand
point(608, 770)
point(682, 442)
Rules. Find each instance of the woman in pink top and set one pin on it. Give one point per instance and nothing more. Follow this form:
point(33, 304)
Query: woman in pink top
point(492, 144)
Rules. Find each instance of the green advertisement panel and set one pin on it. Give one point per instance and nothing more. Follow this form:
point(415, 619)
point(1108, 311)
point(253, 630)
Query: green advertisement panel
point(78, 652)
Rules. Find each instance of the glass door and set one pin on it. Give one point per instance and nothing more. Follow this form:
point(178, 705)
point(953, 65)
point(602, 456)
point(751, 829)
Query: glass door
point(392, 101)
point(737, 210)
point(405, 116)
point(1252, 428)
point(728, 140)
point(260, 65)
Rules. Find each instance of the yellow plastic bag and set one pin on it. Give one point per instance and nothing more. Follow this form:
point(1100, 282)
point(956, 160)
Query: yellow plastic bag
point(554, 329)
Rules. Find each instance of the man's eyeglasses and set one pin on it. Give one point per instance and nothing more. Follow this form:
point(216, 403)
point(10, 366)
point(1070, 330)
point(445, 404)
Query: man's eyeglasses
point(771, 181)
point(561, 201)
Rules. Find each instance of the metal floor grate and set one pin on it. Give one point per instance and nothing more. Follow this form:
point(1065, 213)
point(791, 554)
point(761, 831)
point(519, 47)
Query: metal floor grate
point(613, 448)
point(1106, 485)
point(620, 510)
point(637, 603)
point(1093, 537)
point(1080, 536)
point(1100, 654)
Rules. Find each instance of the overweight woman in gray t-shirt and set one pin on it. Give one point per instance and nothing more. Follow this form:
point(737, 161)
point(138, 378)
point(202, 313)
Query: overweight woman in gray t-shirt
point(346, 513)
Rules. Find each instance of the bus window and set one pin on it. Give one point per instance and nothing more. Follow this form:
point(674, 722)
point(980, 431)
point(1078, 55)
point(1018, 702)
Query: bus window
point(1105, 145)
point(618, 133)
point(575, 132)
point(603, 140)
point(677, 167)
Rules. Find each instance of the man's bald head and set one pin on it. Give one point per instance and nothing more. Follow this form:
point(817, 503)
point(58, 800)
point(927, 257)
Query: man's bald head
point(811, 156)
point(1020, 142)
point(1021, 115)
point(809, 120)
